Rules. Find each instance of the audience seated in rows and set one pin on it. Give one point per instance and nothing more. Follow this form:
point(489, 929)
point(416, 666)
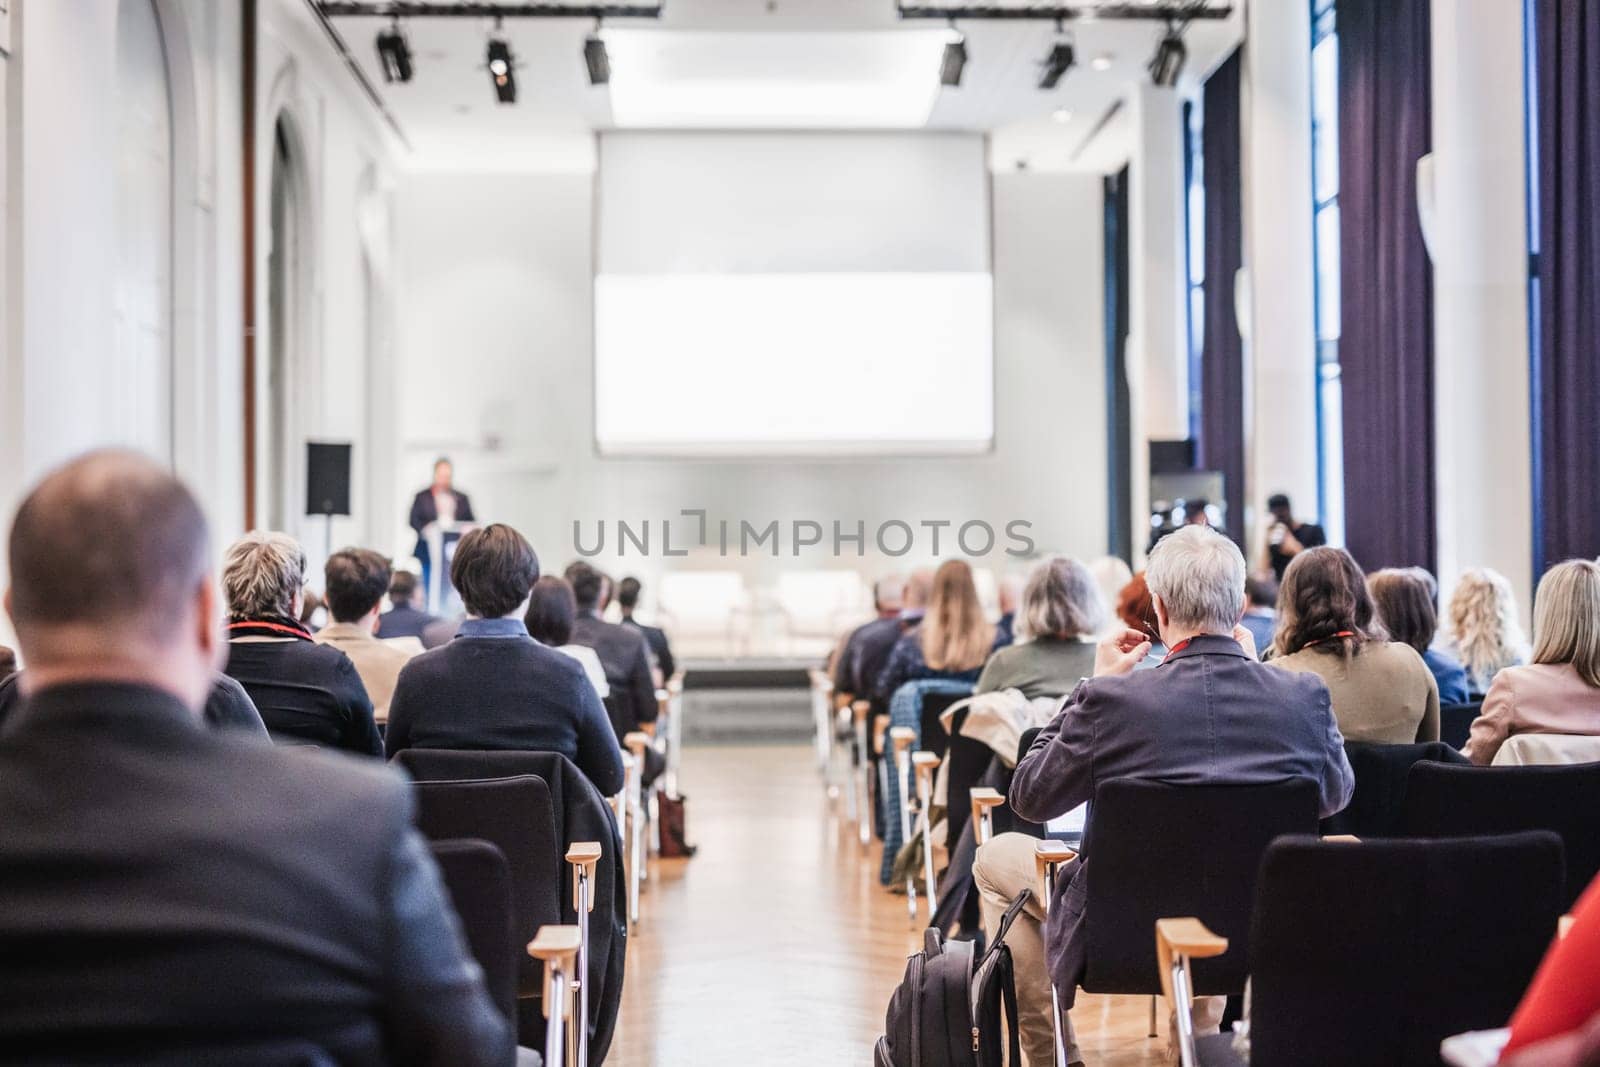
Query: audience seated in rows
point(660, 648)
point(953, 640)
point(1260, 610)
point(355, 580)
point(495, 687)
point(1055, 633)
point(622, 650)
point(1485, 631)
point(1136, 612)
point(1382, 690)
point(307, 694)
point(1010, 595)
point(1210, 715)
point(405, 618)
point(551, 612)
point(861, 656)
point(171, 894)
point(1403, 601)
point(1559, 691)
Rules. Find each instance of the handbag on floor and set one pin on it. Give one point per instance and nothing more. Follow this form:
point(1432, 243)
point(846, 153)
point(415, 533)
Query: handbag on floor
point(953, 1004)
point(671, 823)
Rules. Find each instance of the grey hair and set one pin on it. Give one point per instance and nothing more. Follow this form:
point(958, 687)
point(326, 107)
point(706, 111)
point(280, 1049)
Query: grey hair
point(1061, 599)
point(1198, 575)
point(261, 575)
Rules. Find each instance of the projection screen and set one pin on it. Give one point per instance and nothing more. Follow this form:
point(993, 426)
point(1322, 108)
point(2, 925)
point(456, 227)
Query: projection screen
point(793, 294)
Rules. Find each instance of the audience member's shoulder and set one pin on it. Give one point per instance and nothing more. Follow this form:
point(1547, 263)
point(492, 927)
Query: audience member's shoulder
point(336, 784)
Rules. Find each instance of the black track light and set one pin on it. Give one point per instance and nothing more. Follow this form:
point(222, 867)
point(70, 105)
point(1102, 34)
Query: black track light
point(502, 69)
point(1056, 65)
point(595, 58)
point(955, 59)
point(1167, 63)
point(394, 54)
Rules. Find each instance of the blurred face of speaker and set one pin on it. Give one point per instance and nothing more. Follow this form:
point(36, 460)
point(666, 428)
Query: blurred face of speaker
point(442, 475)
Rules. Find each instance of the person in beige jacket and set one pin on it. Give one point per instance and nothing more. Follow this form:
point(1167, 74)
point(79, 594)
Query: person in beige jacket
point(357, 580)
point(1559, 691)
point(1382, 690)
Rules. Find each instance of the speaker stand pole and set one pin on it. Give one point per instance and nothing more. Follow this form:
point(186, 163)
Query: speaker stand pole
point(327, 537)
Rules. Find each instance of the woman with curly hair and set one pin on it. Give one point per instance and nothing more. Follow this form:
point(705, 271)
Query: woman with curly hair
point(1486, 635)
point(1381, 690)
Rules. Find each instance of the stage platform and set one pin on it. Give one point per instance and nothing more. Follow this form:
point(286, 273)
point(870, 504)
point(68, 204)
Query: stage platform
point(755, 700)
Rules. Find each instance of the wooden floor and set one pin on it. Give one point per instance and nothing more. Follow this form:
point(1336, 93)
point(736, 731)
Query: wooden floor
point(775, 944)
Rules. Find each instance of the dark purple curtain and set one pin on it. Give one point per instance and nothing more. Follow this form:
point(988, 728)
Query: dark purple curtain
point(1567, 353)
point(1221, 444)
point(1386, 282)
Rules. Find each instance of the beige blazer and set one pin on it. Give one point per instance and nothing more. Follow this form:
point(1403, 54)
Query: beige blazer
point(377, 662)
point(1385, 693)
point(1540, 698)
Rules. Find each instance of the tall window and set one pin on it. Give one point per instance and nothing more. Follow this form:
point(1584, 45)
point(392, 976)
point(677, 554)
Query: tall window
point(1325, 205)
point(1194, 204)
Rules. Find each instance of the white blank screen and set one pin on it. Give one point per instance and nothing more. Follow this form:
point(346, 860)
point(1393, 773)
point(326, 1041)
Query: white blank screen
point(793, 293)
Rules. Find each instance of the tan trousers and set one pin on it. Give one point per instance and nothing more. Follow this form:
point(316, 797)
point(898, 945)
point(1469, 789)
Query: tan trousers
point(1003, 868)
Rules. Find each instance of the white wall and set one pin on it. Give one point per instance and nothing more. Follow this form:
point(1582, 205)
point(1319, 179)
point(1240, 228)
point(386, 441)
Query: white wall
point(494, 339)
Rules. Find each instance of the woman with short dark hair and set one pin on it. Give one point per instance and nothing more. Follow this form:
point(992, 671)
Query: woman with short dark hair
point(1328, 626)
point(552, 610)
point(1404, 604)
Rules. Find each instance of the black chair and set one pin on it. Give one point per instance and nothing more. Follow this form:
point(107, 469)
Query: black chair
point(1154, 850)
point(1378, 806)
point(516, 816)
point(1455, 722)
point(969, 763)
point(933, 737)
point(1374, 952)
point(1446, 801)
point(1006, 820)
point(479, 882)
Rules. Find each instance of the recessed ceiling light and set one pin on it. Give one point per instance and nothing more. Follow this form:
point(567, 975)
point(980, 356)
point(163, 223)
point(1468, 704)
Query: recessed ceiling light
point(1062, 114)
point(1102, 61)
point(754, 80)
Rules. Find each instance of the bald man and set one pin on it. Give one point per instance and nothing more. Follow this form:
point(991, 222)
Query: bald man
point(168, 892)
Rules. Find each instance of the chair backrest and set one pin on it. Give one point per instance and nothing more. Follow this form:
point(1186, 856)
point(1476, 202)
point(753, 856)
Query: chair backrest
point(1443, 801)
point(1155, 850)
point(517, 817)
point(933, 738)
point(1377, 808)
point(1455, 722)
point(1006, 820)
point(969, 761)
point(1373, 953)
point(478, 880)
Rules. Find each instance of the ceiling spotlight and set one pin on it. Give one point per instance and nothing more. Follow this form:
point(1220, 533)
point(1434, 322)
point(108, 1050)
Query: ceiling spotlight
point(502, 69)
point(595, 58)
point(1056, 64)
point(1102, 62)
point(1167, 63)
point(1062, 115)
point(394, 54)
point(955, 59)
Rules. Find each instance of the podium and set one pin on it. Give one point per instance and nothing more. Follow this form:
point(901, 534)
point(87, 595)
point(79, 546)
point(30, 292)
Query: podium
point(441, 538)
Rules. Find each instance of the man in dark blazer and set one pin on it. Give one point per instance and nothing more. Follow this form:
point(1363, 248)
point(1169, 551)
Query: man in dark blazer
point(870, 643)
point(654, 636)
point(493, 686)
point(440, 502)
point(404, 618)
point(166, 891)
point(1210, 714)
point(622, 651)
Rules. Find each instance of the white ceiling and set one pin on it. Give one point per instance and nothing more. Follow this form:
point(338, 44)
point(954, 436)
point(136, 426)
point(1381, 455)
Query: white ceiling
point(449, 115)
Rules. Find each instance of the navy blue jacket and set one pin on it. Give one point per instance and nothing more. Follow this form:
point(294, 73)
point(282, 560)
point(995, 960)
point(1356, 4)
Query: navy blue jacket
point(403, 621)
point(494, 687)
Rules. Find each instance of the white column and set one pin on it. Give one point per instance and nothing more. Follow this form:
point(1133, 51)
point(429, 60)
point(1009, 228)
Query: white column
point(1279, 334)
point(1480, 256)
point(1158, 364)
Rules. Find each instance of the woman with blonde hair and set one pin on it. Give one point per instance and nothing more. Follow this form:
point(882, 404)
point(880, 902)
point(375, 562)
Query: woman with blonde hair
point(1558, 692)
point(1381, 690)
point(952, 641)
point(1485, 633)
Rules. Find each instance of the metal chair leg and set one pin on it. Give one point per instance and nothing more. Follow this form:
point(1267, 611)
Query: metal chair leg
point(583, 856)
point(1048, 856)
point(925, 764)
point(902, 738)
point(1152, 1032)
point(557, 947)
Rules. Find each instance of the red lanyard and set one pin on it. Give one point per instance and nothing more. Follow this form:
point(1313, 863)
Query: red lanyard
point(1330, 637)
point(277, 627)
point(1180, 646)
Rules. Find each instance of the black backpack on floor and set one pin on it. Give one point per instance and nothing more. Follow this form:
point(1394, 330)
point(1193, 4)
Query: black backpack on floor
point(946, 1012)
